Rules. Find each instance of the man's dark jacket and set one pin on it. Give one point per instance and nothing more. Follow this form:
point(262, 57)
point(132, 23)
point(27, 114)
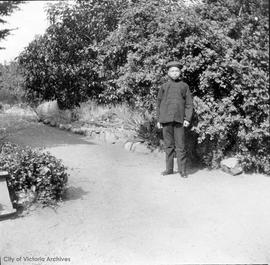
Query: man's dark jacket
point(174, 102)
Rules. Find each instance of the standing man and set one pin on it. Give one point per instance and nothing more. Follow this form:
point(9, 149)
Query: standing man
point(174, 111)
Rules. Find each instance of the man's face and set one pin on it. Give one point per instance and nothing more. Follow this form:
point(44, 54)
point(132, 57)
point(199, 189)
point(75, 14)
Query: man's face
point(174, 72)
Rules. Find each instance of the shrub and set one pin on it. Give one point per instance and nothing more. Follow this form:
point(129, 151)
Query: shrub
point(33, 170)
point(149, 132)
point(65, 61)
point(223, 47)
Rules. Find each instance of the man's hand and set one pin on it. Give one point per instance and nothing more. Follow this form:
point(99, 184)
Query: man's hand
point(186, 123)
point(159, 126)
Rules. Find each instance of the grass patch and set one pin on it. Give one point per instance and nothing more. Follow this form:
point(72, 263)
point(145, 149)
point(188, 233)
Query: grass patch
point(120, 115)
point(136, 124)
point(15, 118)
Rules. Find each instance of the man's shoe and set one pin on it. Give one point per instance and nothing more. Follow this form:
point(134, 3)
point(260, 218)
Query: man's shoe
point(166, 172)
point(183, 174)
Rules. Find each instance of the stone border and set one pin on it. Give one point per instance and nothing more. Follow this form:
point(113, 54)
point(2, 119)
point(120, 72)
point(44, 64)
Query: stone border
point(105, 135)
point(112, 135)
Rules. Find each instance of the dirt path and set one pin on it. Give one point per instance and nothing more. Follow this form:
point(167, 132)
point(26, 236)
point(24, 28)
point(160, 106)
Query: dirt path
point(120, 210)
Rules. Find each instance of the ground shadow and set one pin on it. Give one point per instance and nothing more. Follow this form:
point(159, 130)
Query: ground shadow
point(192, 169)
point(71, 193)
point(194, 165)
point(39, 135)
point(74, 193)
point(7, 216)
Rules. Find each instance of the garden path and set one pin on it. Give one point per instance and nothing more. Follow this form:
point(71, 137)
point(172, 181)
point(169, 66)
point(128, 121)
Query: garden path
point(120, 210)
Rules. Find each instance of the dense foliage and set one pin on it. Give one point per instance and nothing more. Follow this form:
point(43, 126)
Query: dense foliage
point(32, 170)
point(115, 51)
point(63, 64)
point(11, 81)
point(233, 109)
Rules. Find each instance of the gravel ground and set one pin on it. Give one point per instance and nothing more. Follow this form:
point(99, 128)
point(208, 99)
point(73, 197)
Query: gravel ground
point(119, 210)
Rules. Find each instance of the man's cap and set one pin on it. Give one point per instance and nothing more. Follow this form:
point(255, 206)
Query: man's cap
point(173, 64)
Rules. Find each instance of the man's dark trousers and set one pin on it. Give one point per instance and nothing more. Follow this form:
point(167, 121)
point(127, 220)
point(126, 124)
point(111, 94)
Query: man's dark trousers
point(174, 140)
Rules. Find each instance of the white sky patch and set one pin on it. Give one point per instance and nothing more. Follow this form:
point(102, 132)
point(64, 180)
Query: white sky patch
point(30, 21)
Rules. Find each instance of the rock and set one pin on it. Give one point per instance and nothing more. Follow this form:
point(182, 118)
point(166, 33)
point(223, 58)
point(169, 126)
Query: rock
point(68, 127)
point(133, 147)
point(229, 162)
point(88, 132)
point(78, 130)
point(128, 146)
point(110, 137)
point(46, 121)
point(48, 109)
point(61, 126)
point(84, 130)
point(52, 123)
point(231, 166)
point(75, 130)
point(139, 147)
point(236, 170)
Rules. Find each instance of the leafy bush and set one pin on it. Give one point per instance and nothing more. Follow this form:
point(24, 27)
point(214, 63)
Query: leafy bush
point(149, 132)
point(66, 67)
point(223, 47)
point(33, 170)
